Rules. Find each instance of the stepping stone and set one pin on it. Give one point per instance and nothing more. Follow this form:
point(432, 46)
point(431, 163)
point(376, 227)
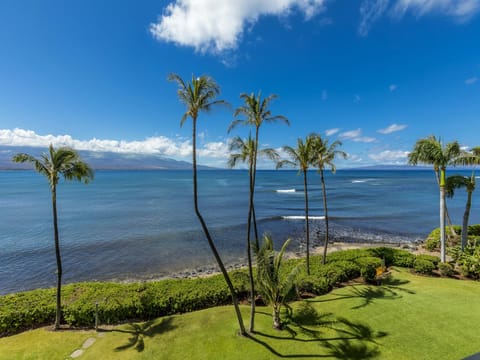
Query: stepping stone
point(76, 354)
point(89, 342)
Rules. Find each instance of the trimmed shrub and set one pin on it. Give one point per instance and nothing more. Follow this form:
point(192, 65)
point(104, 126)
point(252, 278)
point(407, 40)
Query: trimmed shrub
point(434, 259)
point(313, 284)
point(446, 269)
point(403, 258)
point(422, 266)
point(368, 267)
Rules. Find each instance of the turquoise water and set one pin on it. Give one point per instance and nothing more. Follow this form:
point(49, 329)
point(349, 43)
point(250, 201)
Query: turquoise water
point(141, 224)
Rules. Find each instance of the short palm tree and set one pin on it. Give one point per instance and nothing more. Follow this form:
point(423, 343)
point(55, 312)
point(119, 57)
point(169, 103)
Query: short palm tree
point(324, 156)
point(245, 152)
point(456, 182)
point(53, 165)
point(432, 151)
point(199, 95)
point(275, 285)
point(255, 112)
point(302, 157)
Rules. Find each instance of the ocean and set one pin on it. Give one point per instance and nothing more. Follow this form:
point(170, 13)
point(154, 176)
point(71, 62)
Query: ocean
point(140, 225)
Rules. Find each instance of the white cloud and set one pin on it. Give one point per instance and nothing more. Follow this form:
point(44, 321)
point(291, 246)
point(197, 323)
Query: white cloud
point(356, 136)
point(177, 148)
point(370, 11)
point(390, 156)
point(462, 10)
point(373, 10)
point(218, 25)
point(392, 128)
point(331, 132)
point(392, 87)
point(471, 81)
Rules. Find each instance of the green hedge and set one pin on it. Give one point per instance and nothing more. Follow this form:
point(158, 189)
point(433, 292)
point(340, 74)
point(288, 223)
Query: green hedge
point(423, 266)
point(142, 301)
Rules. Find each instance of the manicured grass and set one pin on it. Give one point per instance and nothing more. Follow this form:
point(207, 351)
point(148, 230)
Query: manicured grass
point(409, 317)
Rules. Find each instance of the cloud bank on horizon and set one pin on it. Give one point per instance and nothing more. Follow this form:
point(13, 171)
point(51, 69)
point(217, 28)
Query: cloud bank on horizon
point(214, 153)
point(216, 26)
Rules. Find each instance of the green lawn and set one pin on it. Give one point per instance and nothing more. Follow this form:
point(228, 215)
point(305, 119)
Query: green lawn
point(410, 317)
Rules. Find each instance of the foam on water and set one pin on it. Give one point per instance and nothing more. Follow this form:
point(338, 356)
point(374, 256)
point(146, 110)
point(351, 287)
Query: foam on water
point(285, 191)
point(300, 217)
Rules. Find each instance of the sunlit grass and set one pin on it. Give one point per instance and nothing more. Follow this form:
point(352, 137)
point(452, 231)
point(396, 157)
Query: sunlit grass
point(409, 317)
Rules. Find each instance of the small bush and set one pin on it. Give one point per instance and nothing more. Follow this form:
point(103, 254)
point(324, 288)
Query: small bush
point(368, 267)
point(403, 258)
point(422, 266)
point(446, 269)
point(434, 259)
point(313, 284)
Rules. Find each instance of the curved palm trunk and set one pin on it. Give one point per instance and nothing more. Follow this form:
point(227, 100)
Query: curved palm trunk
point(466, 215)
point(207, 234)
point(249, 253)
point(307, 220)
point(58, 315)
point(325, 214)
point(254, 178)
point(442, 217)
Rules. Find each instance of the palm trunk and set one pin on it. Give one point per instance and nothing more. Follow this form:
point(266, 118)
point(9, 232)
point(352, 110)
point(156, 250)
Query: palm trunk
point(254, 178)
point(58, 315)
point(466, 215)
point(450, 224)
point(325, 214)
point(255, 230)
point(276, 317)
point(442, 217)
point(207, 233)
point(307, 220)
point(249, 253)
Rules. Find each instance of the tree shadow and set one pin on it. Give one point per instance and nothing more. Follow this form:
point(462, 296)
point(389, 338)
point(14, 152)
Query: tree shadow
point(139, 332)
point(390, 289)
point(346, 339)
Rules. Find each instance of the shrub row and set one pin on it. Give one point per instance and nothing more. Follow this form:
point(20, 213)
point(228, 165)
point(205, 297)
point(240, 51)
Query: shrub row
point(142, 301)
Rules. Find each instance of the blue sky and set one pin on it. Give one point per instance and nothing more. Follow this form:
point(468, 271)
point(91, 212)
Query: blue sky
point(376, 74)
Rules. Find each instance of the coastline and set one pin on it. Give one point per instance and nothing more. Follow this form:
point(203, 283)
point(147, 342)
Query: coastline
point(211, 270)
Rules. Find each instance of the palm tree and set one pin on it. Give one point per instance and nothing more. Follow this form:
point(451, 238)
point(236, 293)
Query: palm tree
point(324, 155)
point(301, 157)
point(431, 150)
point(456, 182)
point(274, 285)
point(199, 96)
point(59, 162)
point(256, 111)
point(246, 153)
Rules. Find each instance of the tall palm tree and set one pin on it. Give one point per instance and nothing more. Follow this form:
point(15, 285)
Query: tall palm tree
point(274, 284)
point(53, 165)
point(324, 156)
point(246, 152)
point(255, 112)
point(199, 95)
point(432, 151)
point(301, 157)
point(456, 182)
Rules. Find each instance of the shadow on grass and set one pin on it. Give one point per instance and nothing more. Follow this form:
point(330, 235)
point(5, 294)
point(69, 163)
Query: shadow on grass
point(391, 289)
point(345, 339)
point(139, 332)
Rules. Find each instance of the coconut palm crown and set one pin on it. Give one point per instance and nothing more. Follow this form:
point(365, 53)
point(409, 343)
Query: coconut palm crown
point(302, 157)
point(324, 157)
point(200, 95)
point(56, 163)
